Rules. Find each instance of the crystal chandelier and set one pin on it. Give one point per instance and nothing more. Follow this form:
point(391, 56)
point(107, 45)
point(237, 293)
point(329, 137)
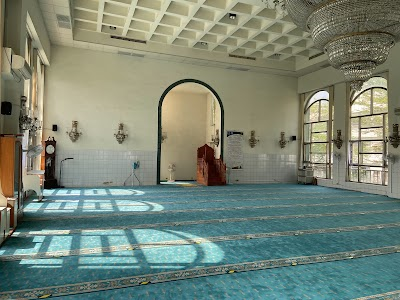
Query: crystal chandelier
point(355, 34)
point(25, 121)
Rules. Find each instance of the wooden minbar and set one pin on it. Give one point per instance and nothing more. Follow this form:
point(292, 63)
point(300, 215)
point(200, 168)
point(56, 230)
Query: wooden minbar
point(210, 171)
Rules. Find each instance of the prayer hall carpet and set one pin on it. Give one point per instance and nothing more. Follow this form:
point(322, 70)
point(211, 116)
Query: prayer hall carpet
point(277, 241)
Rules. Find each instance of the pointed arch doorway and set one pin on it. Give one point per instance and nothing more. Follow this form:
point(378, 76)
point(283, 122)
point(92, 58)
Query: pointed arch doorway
point(218, 125)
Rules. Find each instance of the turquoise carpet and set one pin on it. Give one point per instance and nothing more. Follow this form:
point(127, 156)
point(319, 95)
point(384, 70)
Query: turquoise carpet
point(191, 242)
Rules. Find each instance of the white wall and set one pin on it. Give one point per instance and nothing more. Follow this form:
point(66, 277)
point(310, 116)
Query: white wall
point(184, 119)
point(213, 123)
point(330, 77)
point(102, 89)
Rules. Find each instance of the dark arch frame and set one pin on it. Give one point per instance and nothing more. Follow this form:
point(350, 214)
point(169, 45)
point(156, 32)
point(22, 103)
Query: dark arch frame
point(160, 112)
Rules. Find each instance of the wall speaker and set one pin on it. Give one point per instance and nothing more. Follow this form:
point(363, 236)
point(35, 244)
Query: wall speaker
point(6, 108)
point(55, 128)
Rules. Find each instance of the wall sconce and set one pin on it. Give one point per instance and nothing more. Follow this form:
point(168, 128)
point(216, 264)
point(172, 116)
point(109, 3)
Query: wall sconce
point(394, 138)
point(25, 121)
point(283, 141)
point(253, 140)
point(338, 140)
point(164, 135)
point(121, 134)
point(74, 134)
point(215, 138)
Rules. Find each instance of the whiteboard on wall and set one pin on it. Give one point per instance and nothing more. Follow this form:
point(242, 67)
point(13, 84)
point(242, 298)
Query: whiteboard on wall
point(234, 149)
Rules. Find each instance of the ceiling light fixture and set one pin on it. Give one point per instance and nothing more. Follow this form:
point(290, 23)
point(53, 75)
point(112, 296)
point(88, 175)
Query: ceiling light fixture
point(357, 35)
point(204, 43)
point(113, 28)
point(232, 16)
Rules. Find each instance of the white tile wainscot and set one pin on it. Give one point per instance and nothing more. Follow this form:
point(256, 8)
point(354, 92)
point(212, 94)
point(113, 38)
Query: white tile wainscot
point(99, 168)
point(265, 168)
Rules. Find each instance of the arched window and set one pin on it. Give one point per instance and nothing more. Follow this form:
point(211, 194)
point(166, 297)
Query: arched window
point(316, 132)
point(368, 130)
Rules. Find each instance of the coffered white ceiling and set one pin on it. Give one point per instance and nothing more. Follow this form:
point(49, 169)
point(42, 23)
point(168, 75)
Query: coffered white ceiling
point(190, 31)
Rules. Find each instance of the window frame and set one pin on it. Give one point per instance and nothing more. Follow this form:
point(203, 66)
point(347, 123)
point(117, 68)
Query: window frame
point(307, 155)
point(360, 166)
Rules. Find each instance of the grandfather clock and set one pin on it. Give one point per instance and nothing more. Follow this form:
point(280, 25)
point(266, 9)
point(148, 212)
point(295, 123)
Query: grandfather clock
point(50, 181)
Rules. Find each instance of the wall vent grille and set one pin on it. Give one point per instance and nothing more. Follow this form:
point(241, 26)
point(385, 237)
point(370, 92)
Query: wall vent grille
point(315, 55)
point(64, 21)
point(242, 57)
point(128, 39)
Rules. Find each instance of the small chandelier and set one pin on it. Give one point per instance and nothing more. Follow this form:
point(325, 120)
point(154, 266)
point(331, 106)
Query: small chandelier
point(74, 134)
point(355, 34)
point(338, 140)
point(25, 121)
point(394, 138)
point(36, 125)
point(121, 134)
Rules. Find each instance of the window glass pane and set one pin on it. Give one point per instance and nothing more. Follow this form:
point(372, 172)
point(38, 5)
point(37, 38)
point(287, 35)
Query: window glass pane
point(353, 174)
point(321, 95)
point(307, 152)
point(365, 174)
point(318, 148)
point(354, 152)
point(372, 147)
point(372, 134)
point(318, 127)
point(319, 171)
point(307, 131)
point(387, 131)
point(314, 112)
point(354, 128)
point(307, 116)
point(372, 121)
point(319, 137)
point(371, 159)
point(380, 101)
point(373, 175)
point(362, 105)
point(318, 158)
point(373, 82)
point(324, 111)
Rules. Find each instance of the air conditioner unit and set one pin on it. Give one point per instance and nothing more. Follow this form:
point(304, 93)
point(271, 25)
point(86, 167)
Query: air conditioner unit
point(14, 65)
point(21, 67)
